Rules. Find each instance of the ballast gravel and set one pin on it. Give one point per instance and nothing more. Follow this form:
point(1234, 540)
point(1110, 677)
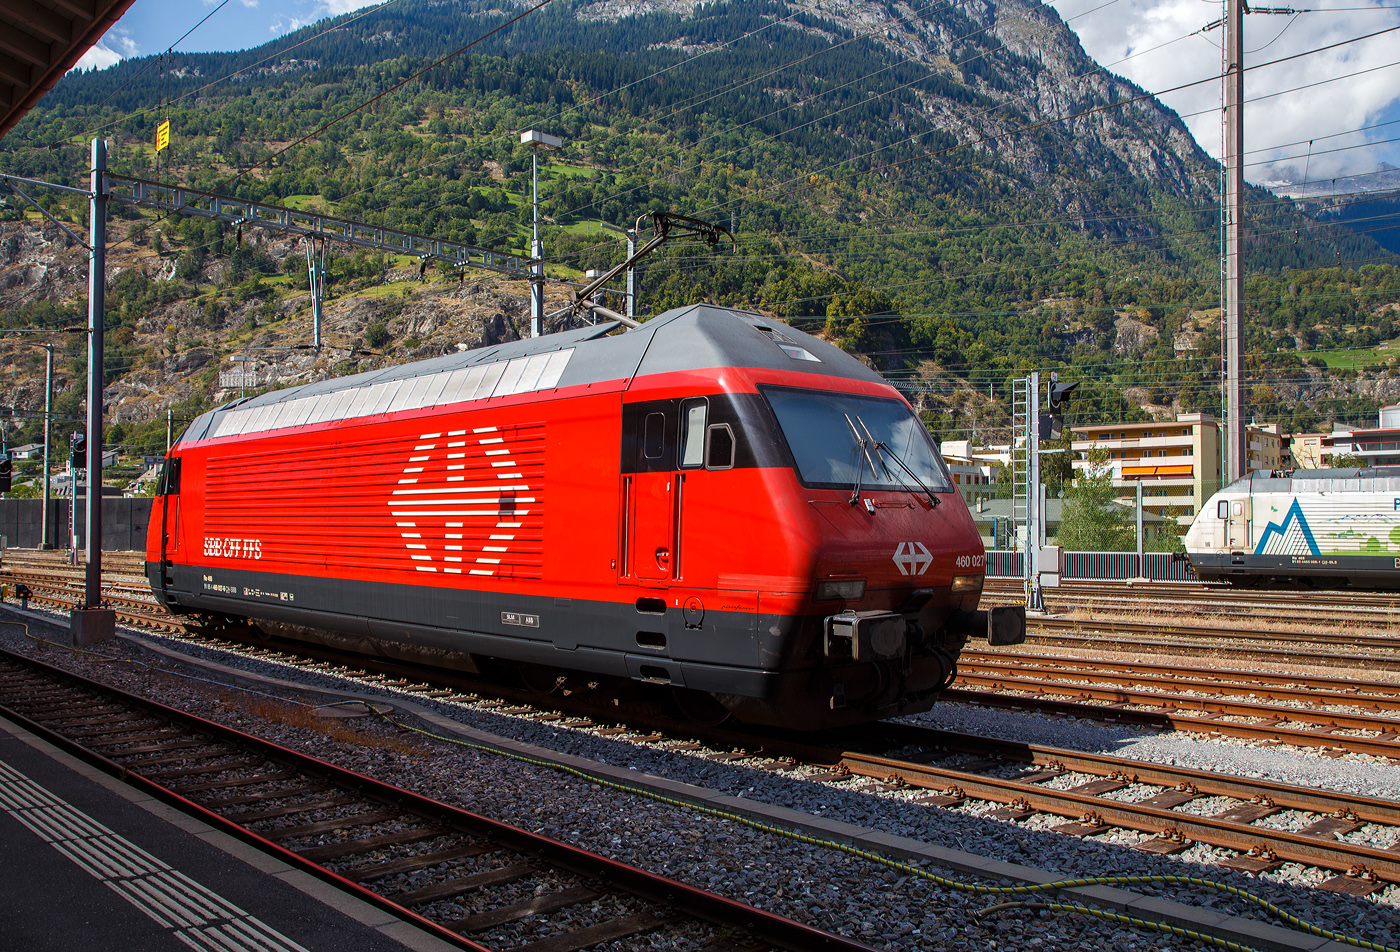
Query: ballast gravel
point(1358, 774)
point(813, 884)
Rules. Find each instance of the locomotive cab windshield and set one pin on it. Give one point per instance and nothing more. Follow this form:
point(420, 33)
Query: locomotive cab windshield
point(851, 441)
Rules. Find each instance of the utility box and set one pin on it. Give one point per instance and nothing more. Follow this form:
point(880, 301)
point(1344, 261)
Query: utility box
point(1049, 566)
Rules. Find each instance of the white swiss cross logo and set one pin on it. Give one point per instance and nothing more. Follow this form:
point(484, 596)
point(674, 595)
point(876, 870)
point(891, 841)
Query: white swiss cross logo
point(912, 558)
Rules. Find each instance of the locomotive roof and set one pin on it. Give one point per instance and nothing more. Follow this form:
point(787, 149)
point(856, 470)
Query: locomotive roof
point(698, 337)
point(1383, 479)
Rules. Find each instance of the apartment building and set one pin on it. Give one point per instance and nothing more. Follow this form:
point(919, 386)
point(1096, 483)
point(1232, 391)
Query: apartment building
point(1311, 450)
point(1378, 447)
point(1267, 447)
point(976, 482)
point(973, 473)
point(1178, 464)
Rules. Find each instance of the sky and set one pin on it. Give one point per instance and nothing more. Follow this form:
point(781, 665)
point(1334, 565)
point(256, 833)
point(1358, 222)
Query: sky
point(1157, 44)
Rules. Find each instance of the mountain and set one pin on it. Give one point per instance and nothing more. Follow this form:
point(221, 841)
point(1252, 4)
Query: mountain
point(957, 192)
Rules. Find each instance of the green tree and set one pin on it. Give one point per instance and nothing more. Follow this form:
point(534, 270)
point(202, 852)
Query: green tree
point(1171, 536)
point(1092, 520)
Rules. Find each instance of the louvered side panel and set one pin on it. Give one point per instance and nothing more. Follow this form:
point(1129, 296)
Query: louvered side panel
point(464, 502)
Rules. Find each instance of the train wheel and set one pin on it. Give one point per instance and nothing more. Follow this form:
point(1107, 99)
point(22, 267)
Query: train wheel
point(699, 707)
point(541, 679)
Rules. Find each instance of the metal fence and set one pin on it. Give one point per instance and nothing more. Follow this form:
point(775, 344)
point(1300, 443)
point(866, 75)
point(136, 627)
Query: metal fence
point(1099, 566)
point(124, 522)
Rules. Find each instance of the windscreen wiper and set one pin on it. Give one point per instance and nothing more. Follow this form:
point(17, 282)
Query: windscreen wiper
point(862, 448)
point(881, 448)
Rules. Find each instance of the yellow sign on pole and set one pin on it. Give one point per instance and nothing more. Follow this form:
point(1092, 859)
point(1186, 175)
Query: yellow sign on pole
point(163, 135)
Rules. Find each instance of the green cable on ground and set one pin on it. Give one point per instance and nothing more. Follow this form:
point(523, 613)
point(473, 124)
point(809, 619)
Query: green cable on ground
point(943, 881)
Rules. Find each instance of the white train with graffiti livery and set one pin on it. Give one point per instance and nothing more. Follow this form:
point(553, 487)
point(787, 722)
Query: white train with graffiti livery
point(1329, 528)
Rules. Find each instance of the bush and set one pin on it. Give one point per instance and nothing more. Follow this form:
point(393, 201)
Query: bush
point(377, 335)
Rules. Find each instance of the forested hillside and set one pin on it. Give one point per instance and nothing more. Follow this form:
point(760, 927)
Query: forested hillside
point(956, 191)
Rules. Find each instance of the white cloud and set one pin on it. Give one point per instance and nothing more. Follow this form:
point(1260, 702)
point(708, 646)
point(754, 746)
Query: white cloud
point(337, 7)
point(116, 46)
point(318, 10)
point(1299, 114)
point(98, 57)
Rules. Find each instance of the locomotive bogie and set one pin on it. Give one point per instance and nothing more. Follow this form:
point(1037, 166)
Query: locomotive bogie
point(631, 509)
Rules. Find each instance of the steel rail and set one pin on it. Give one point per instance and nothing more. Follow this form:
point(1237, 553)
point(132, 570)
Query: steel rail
point(697, 903)
point(1365, 611)
point(1228, 676)
point(1268, 730)
point(1301, 798)
point(1225, 594)
point(1377, 695)
point(1234, 633)
point(1308, 799)
point(1173, 703)
point(1097, 811)
point(1340, 856)
point(1192, 648)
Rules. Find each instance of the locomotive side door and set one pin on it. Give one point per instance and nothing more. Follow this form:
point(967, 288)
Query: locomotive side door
point(1239, 523)
point(1219, 525)
point(648, 547)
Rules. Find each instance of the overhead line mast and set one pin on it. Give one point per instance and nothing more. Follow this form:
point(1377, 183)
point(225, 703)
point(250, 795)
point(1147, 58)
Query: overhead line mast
point(1232, 250)
point(1235, 457)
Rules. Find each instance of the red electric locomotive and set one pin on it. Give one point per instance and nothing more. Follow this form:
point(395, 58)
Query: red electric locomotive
point(712, 500)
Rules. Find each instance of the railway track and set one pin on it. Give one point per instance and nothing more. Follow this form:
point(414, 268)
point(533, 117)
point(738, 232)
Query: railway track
point(1199, 703)
point(1050, 687)
point(1093, 804)
point(1314, 690)
point(365, 836)
point(1218, 594)
point(1379, 610)
point(1224, 632)
point(1015, 780)
point(1105, 639)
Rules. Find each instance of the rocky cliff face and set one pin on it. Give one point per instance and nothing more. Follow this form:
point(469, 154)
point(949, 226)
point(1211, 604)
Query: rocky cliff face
point(1021, 55)
point(172, 351)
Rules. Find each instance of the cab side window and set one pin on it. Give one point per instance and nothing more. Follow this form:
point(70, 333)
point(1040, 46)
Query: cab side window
point(654, 436)
point(169, 483)
point(719, 447)
point(1222, 511)
point(694, 414)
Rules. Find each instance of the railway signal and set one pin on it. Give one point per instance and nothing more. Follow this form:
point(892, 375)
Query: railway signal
point(1053, 423)
point(77, 452)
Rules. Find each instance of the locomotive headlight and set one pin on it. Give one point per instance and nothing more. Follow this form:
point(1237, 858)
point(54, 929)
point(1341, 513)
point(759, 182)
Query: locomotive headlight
point(963, 584)
point(846, 589)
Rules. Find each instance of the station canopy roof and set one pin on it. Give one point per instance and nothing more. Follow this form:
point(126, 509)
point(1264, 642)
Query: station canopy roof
point(40, 40)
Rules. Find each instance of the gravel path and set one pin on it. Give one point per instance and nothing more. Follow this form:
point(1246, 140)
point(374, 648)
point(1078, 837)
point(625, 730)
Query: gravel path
point(812, 884)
